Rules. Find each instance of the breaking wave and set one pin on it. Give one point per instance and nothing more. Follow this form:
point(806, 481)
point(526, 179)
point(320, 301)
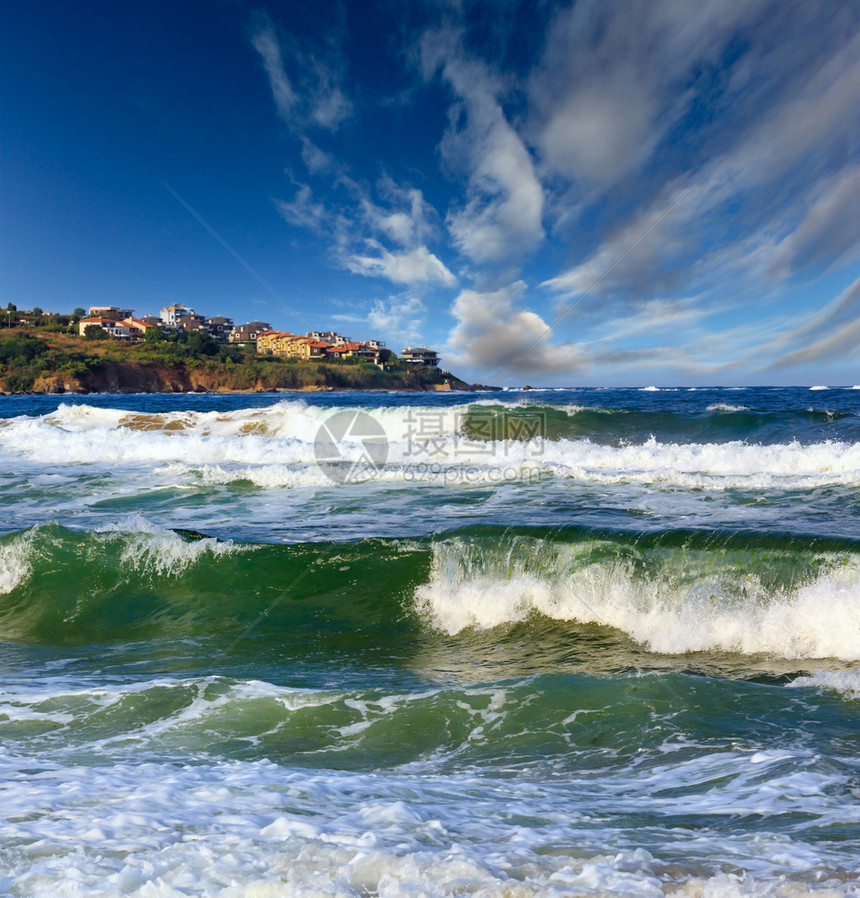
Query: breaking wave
point(724, 447)
point(672, 593)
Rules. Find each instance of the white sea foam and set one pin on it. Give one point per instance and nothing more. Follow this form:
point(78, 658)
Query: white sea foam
point(725, 407)
point(651, 389)
point(846, 682)
point(151, 548)
point(665, 612)
point(16, 561)
point(819, 387)
point(259, 830)
point(713, 466)
point(274, 447)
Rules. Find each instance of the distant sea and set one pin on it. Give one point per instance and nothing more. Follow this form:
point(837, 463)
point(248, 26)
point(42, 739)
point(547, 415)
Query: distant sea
point(555, 642)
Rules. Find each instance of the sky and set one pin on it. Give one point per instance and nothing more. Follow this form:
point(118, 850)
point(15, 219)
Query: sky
point(589, 193)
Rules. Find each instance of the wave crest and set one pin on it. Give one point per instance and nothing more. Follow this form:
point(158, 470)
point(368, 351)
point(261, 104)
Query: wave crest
point(671, 601)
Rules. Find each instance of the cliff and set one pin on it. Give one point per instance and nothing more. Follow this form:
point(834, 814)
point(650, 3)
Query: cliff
point(30, 364)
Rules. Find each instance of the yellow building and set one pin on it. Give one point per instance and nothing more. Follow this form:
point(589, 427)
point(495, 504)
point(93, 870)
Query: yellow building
point(273, 342)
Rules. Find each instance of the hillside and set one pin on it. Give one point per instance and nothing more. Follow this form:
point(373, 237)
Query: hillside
point(61, 363)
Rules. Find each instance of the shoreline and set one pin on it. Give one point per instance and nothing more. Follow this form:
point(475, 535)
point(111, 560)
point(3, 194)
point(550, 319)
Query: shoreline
point(55, 364)
point(466, 388)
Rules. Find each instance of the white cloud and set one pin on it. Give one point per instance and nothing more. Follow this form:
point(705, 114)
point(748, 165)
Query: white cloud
point(266, 44)
point(501, 339)
point(501, 220)
point(830, 231)
point(315, 159)
point(400, 318)
point(304, 211)
point(406, 218)
point(331, 106)
point(769, 187)
point(320, 102)
point(416, 266)
point(612, 82)
point(828, 333)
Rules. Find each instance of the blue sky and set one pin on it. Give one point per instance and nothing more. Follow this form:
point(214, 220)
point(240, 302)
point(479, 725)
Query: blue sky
point(570, 194)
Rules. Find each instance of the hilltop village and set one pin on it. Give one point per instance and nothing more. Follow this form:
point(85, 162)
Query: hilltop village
point(259, 335)
point(109, 349)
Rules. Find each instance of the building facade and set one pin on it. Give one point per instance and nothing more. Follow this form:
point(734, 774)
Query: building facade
point(420, 355)
point(248, 332)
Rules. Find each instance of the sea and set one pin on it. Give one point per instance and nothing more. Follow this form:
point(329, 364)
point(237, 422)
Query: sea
point(551, 642)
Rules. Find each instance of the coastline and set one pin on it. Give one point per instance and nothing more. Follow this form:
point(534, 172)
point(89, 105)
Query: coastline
point(47, 364)
point(457, 387)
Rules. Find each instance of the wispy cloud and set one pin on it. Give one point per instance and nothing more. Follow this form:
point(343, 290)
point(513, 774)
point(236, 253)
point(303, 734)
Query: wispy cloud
point(266, 44)
point(399, 318)
point(746, 208)
point(376, 234)
point(304, 211)
point(320, 101)
point(662, 170)
point(501, 219)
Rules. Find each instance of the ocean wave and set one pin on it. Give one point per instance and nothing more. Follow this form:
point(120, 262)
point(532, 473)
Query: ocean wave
point(148, 547)
point(845, 682)
point(16, 561)
point(711, 449)
point(712, 466)
point(673, 593)
point(276, 447)
point(671, 601)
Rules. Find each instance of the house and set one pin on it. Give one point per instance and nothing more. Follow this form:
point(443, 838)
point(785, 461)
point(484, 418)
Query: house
point(114, 313)
point(139, 326)
point(316, 349)
point(171, 315)
point(306, 348)
point(420, 355)
point(190, 323)
point(331, 337)
point(116, 329)
point(248, 333)
point(219, 327)
point(373, 351)
point(274, 342)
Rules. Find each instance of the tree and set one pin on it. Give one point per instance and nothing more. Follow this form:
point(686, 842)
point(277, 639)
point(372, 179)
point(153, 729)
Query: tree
point(37, 310)
point(202, 344)
point(153, 335)
point(78, 313)
point(95, 332)
point(11, 307)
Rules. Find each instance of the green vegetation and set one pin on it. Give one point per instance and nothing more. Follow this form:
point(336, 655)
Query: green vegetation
point(31, 362)
point(25, 359)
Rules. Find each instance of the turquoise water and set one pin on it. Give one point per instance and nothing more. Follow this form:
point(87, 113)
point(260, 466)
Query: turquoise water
point(559, 643)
